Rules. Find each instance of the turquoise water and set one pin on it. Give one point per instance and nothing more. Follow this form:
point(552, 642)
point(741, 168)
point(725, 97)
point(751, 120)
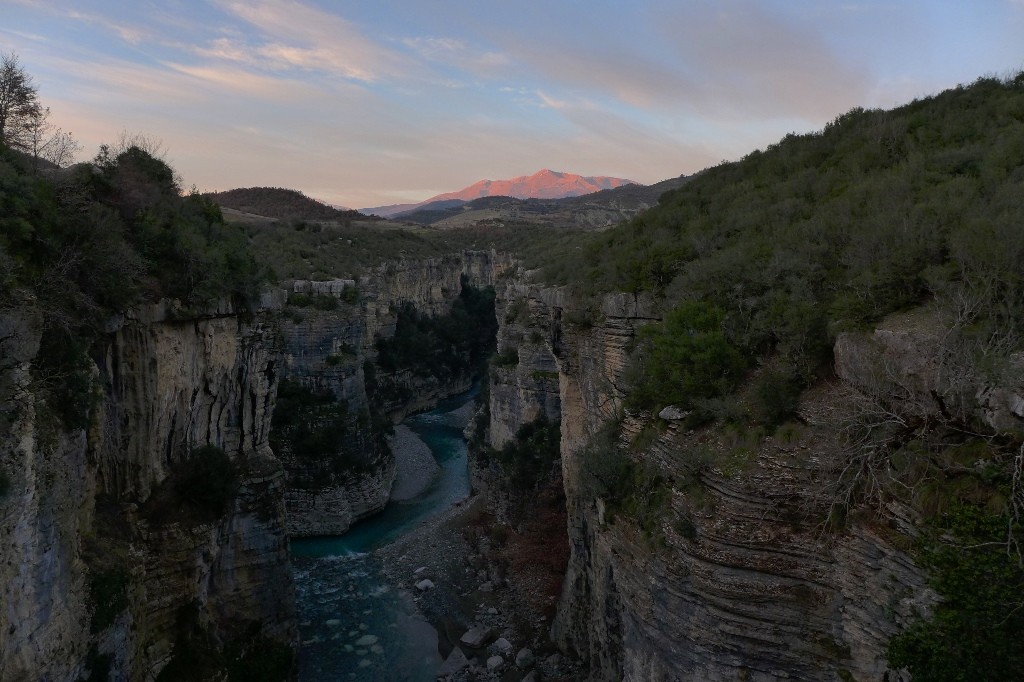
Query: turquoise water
point(353, 625)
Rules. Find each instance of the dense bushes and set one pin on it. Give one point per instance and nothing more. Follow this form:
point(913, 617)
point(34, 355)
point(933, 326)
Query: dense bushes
point(201, 489)
point(446, 347)
point(207, 482)
point(975, 631)
point(316, 429)
point(686, 358)
point(249, 656)
point(91, 240)
point(833, 230)
point(632, 489)
point(528, 460)
point(283, 204)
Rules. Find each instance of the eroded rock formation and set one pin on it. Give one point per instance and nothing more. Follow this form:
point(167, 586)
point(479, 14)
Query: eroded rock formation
point(333, 349)
point(99, 568)
point(732, 574)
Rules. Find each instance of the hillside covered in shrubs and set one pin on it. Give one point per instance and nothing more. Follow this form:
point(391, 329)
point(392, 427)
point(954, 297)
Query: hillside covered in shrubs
point(909, 217)
point(282, 204)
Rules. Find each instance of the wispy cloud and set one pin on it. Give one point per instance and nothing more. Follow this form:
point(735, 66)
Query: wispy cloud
point(728, 58)
point(752, 60)
point(456, 53)
point(127, 33)
point(304, 37)
point(240, 80)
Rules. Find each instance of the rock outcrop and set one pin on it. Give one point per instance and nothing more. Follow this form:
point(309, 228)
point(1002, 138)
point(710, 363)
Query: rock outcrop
point(525, 388)
point(731, 575)
point(99, 564)
point(331, 348)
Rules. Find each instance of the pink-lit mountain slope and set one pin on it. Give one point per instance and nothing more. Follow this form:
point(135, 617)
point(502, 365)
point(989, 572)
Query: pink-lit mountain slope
point(544, 184)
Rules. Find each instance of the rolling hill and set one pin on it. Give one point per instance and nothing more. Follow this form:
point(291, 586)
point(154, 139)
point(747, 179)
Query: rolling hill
point(279, 204)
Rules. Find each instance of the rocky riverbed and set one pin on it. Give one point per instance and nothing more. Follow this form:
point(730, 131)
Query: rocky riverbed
point(492, 621)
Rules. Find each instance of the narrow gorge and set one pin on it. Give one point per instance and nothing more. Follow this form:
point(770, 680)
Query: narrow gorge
point(771, 427)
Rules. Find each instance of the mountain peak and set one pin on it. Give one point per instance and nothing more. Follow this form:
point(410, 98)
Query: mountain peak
point(544, 184)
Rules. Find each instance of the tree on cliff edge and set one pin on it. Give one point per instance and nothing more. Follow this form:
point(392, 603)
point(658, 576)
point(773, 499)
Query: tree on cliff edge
point(24, 122)
point(19, 103)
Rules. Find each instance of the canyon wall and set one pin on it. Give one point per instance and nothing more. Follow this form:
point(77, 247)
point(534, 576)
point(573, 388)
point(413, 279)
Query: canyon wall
point(332, 348)
point(104, 566)
point(723, 568)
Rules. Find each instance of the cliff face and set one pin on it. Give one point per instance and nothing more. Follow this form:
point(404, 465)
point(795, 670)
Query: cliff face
point(331, 350)
point(731, 574)
point(98, 553)
point(526, 387)
point(43, 621)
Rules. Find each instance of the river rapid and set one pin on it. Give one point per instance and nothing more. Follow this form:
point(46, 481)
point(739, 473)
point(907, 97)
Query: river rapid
point(353, 624)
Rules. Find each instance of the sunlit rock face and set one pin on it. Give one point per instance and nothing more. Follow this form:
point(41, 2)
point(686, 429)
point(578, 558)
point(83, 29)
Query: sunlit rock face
point(165, 384)
point(738, 580)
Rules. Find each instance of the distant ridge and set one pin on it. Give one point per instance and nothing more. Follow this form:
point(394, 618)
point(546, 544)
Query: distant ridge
point(279, 203)
point(544, 184)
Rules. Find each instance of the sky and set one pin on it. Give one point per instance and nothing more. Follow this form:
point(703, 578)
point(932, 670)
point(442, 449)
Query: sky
point(391, 101)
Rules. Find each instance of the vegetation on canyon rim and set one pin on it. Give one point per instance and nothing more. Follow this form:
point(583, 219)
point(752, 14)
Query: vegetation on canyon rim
point(758, 265)
point(89, 241)
point(761, 263)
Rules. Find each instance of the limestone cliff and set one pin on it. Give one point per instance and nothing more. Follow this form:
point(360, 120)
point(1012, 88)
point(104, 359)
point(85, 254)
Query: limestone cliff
point(101, 568)
point(525, 386)
point(729, 573)
point(329, 345)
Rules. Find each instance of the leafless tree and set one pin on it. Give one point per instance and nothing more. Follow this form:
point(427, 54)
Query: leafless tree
point(24, 121)
point(19, 103)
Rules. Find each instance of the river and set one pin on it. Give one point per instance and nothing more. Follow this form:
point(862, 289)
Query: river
point(353, 625)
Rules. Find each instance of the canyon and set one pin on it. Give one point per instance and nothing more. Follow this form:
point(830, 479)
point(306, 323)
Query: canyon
point(112, 567)
point(734, 576)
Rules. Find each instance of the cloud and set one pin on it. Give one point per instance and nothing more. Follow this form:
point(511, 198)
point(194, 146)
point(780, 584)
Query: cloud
point(129, 34)
point(303, 37)
point(751, 60)
point(240, 80)
point(722, 59)
point(456, 53)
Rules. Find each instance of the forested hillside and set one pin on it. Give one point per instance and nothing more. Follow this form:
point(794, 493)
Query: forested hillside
point(279, 203)
point(878, 212)
point(86, 242)
point(760, 266)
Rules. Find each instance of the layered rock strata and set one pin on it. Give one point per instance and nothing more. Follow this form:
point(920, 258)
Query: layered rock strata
point(736, 578)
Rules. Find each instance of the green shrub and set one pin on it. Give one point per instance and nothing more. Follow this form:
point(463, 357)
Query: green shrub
point(65, 372)
point(507, 358)
point(631, 489)
point(528, 460)
point(686, 358)
point(255, 658)
point(247, 657)
point(776, 393)
point(317, 301)
point(974, 633)
point(447, 346)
